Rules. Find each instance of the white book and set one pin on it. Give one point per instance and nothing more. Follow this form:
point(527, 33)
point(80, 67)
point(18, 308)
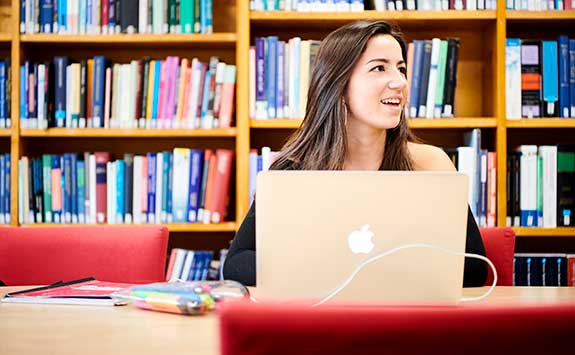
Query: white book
point(528, 185)
point(467, 164)
point(266, 162)
point(187, 265)
point(180, 184)
point(110, 186)
point(196, 72)
point(143, 16)
point(304, 77)
point(548, 154)
point(295, 45)
point(137, 190)
point(252, 171)
point(132, 121)
point(252, 82)
point(178, 264)
point(42, 121)
point(483, 182)
point(286, 79)
point(513, 78)
point(471, 4)
point(92, 189)
point(432, 83)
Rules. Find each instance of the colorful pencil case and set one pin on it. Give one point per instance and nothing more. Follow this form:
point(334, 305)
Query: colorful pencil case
point(193, 297)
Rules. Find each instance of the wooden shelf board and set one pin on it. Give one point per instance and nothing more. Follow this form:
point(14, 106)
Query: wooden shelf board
point(540, 15)
point(5, 132)
point(142, 133)
point(416, 123)
point(226, 37)
point(544, 232)
point(541, 123)
point(172, 227)
point(5, 37)
point(429, 123)
point(276, 123)
point(401, 16)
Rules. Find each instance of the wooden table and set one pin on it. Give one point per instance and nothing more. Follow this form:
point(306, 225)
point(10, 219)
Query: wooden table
point(61, 329)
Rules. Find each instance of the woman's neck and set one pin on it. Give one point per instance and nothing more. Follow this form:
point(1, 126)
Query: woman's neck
point(365, 148)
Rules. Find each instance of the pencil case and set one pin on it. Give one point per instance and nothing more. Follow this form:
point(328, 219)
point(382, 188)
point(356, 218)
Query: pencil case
point(190, 297)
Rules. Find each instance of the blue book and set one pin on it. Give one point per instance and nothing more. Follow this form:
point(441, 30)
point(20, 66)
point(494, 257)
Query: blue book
point(200, 256)
point(416, 77)
point(271, 71)
point(151, 187)
point(23, 98)
point(550, 79)
point(564, 76)
point(74, 187)
point(209, 16)
point(170, 184)
point(572, 76)
point(280, 94)
point(89, 15)
point(165, 179)
point(2, 189)
point(196, 160)
point(208, 255)
point(206, 95)
point(203, 17)
point(46, 15)
point(120, 184)
point(22, 16)
point(294, 107)
point(81, 190)
point(82, 17)
point(261, 102)
point(3, 93)
point(62, 16)
point(7, 168)
point(98, 94)
point(60, 65)
point(260, 163)
point(156, 93)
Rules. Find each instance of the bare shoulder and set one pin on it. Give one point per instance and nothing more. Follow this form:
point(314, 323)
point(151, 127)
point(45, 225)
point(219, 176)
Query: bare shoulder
point(429, 158)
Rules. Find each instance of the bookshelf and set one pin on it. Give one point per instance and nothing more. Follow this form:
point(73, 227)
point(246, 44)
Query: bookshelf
point(480, 95)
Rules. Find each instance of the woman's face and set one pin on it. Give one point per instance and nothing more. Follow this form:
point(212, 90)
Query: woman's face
point(377, 89)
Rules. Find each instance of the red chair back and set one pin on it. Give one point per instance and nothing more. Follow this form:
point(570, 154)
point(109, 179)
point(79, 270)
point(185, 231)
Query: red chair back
point(43, 255)
point(500, 249)
point(472, 330)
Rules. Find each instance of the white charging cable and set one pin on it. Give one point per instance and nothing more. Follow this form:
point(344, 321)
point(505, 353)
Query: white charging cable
point(411, 246)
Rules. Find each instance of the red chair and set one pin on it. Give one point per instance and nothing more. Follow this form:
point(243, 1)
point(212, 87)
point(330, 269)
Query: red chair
point(43, 255)
point(472, 330)
point(500, 249)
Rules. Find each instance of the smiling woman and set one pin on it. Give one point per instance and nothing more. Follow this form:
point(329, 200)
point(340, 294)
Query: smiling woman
point(355, 121)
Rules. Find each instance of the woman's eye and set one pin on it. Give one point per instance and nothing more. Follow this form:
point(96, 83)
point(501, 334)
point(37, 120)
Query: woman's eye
point(378, 68)
point(403, 71)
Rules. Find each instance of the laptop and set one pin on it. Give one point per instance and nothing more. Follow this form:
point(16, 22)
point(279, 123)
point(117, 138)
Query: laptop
point(315, 228)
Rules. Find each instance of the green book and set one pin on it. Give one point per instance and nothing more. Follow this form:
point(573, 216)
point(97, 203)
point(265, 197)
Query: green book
point(440, 79)
point(187, 10)
point(47, 186)
point(539, 191)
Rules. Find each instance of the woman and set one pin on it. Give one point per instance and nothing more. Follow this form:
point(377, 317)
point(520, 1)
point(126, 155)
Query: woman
point(354, 121)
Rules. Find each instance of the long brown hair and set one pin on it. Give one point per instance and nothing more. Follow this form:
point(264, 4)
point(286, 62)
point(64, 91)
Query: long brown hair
point(321, 141)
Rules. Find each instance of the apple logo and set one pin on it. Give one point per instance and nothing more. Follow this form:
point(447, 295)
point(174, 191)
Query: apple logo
point(359, 241)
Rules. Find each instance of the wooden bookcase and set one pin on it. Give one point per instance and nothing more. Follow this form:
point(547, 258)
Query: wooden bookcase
point(480, 95)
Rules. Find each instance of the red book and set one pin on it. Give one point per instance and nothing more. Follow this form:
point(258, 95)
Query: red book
point(222, 177)
point(227, 103)
point(571, 270)
point(102, 158)
point(208, 208)
point(86, 291)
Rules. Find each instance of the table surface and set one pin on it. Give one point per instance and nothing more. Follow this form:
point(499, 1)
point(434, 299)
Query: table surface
point(72, 329)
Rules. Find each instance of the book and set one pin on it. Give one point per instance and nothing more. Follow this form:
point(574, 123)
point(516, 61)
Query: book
point(87, 291)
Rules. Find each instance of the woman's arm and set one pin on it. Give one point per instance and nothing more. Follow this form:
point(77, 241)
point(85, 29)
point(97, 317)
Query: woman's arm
point(240, 264)
point(430, 158)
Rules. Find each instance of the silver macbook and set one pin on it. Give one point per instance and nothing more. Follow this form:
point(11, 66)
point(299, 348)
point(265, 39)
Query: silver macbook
point(315, 228)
